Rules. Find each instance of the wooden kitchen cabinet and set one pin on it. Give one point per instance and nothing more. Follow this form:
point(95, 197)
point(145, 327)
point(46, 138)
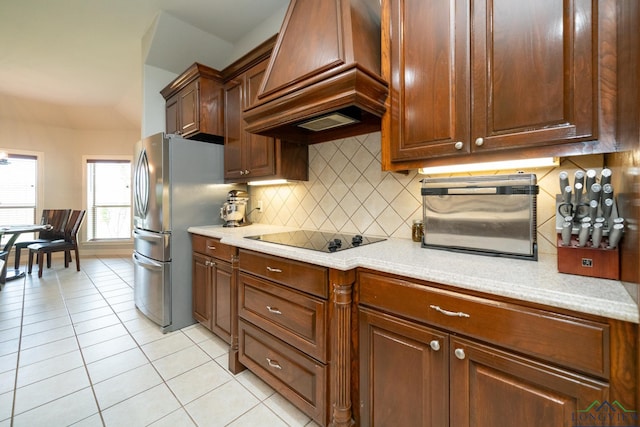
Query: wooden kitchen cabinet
point(214, 291)
point(195, 104)
point(294, 332)
point(488, 385)
point(247, 156)
point(472, 361)
point(488, 80)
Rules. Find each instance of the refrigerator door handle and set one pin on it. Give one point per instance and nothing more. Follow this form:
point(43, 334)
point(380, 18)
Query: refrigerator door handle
point(141, 177)
point(149, 264)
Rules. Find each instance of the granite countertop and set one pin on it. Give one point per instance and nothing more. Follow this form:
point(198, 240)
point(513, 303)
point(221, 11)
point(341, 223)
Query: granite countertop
point(532, 281)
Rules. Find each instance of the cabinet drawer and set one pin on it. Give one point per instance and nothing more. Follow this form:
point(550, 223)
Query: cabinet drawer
point(575, 343)
point(299, 378)
point(294, 317)
point(212, 247)
point(304, 277)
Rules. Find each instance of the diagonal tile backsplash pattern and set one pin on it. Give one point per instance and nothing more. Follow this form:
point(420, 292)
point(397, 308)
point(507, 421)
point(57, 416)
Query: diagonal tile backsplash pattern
point(348, 192)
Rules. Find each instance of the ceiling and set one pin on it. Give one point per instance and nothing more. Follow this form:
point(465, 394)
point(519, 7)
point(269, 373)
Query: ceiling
point(88, 54)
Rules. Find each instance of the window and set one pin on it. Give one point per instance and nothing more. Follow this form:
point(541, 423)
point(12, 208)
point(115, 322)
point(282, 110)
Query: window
point(18, 192)
point(108, 199)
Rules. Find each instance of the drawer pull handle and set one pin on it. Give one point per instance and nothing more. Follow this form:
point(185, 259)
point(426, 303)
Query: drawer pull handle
point(274, 270)
point(435, 345)
point(211, 248)
point(460, 353)
point(449, 313)
point(273, 363)
point(273, 310)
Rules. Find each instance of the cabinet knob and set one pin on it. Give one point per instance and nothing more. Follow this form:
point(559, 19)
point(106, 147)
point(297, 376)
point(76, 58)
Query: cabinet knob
point(460, 353)
point(479, 142)
point(435, 345)
point(246, 172)
point(458, 145)
point(209, 263)
point(241, 173)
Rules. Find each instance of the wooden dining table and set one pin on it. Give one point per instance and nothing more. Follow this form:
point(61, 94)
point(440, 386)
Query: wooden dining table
point(15, 231)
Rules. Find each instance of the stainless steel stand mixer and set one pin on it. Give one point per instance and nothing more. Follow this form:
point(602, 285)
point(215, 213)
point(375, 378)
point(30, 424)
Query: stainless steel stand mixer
point(234, 210)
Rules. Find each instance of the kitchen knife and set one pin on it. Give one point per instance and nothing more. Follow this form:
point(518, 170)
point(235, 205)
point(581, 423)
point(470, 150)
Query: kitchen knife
point(566, 194)
point(564, 180)
point(614, 235)
point(596, 234)
point(593, 208)
point(607, 191)
point(607, 207)
point(583, 234)
point(578, 177)
point(594, 192)
point(591, 178)
point(578, 190)
point(566, 233)
point(605, 176)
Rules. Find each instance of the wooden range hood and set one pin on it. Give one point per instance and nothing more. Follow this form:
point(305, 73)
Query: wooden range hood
point(324, 71)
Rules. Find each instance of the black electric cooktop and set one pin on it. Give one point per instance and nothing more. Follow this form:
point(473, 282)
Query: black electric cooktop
point(317, 240)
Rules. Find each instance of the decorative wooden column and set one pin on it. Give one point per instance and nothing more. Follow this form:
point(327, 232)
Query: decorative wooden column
point(340, 354)
point(234, 364)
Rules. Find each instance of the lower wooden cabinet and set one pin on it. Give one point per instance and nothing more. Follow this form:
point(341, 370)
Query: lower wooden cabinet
point(429, 356)
point(491, 387)
point(404, 370)
point(214, 291)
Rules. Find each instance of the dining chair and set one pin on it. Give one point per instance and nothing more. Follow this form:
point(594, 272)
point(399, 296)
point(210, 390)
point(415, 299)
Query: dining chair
point(66, 245)
point(57, 219)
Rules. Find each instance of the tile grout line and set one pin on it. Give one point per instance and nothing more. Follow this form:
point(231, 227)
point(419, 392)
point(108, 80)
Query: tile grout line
point(15, 379)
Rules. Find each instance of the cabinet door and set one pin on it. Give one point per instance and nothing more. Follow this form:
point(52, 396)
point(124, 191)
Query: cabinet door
point(490, 387)
point(201, 289)
point(189, 109)
point(533, 73)
point(172, 117)
point(233, 130)
point(403, 373)
point(259, 149)
point(222, 299)
point(429, 76)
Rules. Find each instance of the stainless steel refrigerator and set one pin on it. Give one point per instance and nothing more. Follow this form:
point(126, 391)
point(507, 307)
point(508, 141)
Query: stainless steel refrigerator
point(177, 183)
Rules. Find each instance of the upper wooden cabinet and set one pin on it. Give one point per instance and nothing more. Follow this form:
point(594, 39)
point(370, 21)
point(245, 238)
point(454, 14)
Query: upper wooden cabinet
point(248, 156)
point(485, 80)
point(194, 107)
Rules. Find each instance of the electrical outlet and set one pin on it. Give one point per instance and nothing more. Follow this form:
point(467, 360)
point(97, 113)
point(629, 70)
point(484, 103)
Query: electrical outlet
point(259, 206)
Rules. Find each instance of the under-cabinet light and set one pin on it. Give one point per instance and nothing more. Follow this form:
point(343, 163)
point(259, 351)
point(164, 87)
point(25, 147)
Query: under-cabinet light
point(506, 164)
point(269, 182)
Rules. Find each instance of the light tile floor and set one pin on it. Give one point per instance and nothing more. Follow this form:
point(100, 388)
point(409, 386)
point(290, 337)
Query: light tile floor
point(75, 351)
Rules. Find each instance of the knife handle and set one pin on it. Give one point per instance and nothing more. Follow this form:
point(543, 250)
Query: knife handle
point(596, 234)
point(614, 235)
point(578, 190)
point(591, 178)
point(607, 207)
point(566, 233)
point(605, 176)
point(564, 181)
point(583, 234)
point(566, 194)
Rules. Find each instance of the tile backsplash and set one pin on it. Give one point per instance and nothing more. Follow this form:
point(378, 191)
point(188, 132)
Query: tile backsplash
point(348, 192)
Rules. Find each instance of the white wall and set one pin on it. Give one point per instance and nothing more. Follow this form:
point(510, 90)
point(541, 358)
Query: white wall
point(153, 105)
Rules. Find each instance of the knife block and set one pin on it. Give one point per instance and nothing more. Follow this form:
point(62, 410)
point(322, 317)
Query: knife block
point(588, 260)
